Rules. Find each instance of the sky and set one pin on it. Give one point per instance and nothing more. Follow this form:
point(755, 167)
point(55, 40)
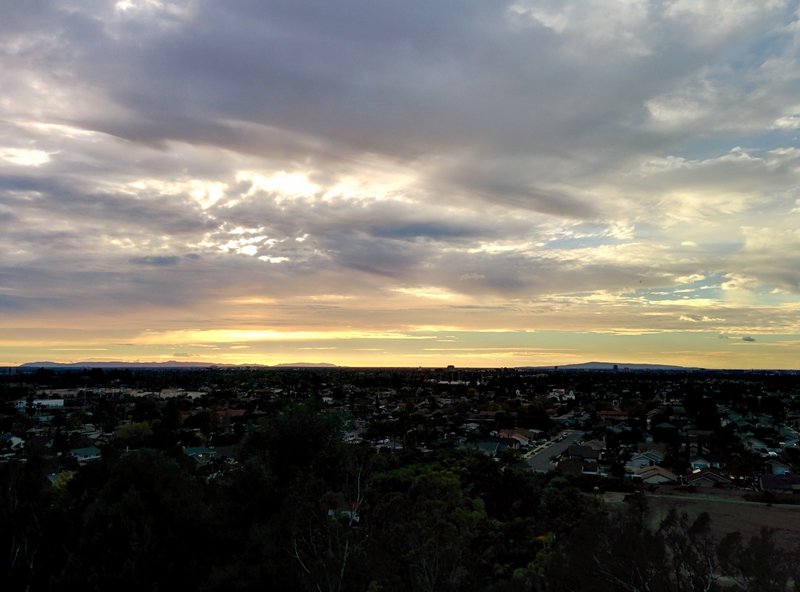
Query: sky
point(419, 183)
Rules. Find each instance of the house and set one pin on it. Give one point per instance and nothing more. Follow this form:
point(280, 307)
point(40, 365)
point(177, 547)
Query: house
point(571, 468)
point(595, 444)
point(560, 395)
point(226, 417)
point(656, 415)
point(788, 483)
point(622, 427)
point(756, 445)
point(578, 452)
point(654, 475)
point(610, 416)
point(589, 467)
point(707, 461)
point(644, 459)
point(576, 468)
point(200, 454)
point(665, 432)
point(39, 404)
point(790, 435)
point(87, 454)
point(776, 467)
point(707, 477)
point(572, 418)
point(521, 437)
point(11, 442)
point(491, 446)
point(678, 412)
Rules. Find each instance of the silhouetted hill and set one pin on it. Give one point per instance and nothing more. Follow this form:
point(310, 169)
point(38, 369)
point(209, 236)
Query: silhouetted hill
point(306, 365)
point(169, 364)
point(611, 366)
point(78, 365)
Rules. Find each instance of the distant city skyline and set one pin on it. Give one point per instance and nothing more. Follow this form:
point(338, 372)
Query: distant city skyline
point(374, 183)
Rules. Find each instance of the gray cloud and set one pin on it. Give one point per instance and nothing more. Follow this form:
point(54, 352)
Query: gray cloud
point(531, 153)
point(407, 82)
point(166, 260)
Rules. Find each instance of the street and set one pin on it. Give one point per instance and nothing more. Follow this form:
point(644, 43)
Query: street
point(541, 461)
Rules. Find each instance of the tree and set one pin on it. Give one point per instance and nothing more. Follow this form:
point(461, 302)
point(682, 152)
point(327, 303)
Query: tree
point(325, 531)
point(563, 506)
point(24, 499)
point(630, 556)
point(760, 566)
point(423, 526)
point(146, 528)
point(622, 553)
point(691, 551)
point(301, 439)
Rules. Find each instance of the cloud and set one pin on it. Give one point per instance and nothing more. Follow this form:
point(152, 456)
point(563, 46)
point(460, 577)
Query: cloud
point(156, 260)
point(582, 165)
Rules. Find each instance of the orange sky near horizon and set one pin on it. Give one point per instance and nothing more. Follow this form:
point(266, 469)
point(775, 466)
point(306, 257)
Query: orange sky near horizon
point(515, 183)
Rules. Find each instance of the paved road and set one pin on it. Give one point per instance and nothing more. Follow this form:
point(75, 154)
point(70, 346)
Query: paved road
point(541, 463)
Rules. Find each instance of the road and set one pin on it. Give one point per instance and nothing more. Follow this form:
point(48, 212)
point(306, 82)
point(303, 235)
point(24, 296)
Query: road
point(540, 461)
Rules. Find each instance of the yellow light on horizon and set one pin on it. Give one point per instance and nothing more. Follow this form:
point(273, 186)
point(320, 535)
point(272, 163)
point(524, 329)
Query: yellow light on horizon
point(239, 336)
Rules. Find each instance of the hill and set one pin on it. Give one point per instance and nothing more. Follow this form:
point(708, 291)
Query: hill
point(612, 366)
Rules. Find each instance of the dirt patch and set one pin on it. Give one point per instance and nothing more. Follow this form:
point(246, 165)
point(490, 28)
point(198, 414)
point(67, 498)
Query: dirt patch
point(731, 514)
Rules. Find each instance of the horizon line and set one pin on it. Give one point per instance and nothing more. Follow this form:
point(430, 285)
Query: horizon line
point(192, 364)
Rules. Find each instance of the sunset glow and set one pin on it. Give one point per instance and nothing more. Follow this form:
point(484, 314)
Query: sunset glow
point(478, 183)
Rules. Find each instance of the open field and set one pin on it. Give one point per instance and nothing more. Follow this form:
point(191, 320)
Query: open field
point(731, 514)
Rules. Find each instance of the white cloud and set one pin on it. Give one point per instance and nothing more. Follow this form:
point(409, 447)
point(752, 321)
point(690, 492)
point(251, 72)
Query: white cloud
point(790, 122)
point(27, 157)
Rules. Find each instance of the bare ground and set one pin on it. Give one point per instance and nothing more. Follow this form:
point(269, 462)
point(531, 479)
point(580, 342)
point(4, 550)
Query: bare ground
point(729, 513)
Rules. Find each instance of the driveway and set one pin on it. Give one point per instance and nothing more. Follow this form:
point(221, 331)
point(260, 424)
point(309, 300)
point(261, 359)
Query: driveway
point(540, 461)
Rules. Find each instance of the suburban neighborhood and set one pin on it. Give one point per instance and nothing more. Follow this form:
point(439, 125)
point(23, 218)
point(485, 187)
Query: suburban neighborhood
point(687, 430)
point(710, 458)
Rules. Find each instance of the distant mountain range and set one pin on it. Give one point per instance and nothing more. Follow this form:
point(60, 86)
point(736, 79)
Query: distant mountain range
point(170, 364)
point(611, 366)
point(592, 366)
point(175, 364)
point(305, 365)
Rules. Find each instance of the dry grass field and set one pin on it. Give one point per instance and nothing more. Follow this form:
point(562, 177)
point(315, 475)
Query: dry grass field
point(730, 514)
